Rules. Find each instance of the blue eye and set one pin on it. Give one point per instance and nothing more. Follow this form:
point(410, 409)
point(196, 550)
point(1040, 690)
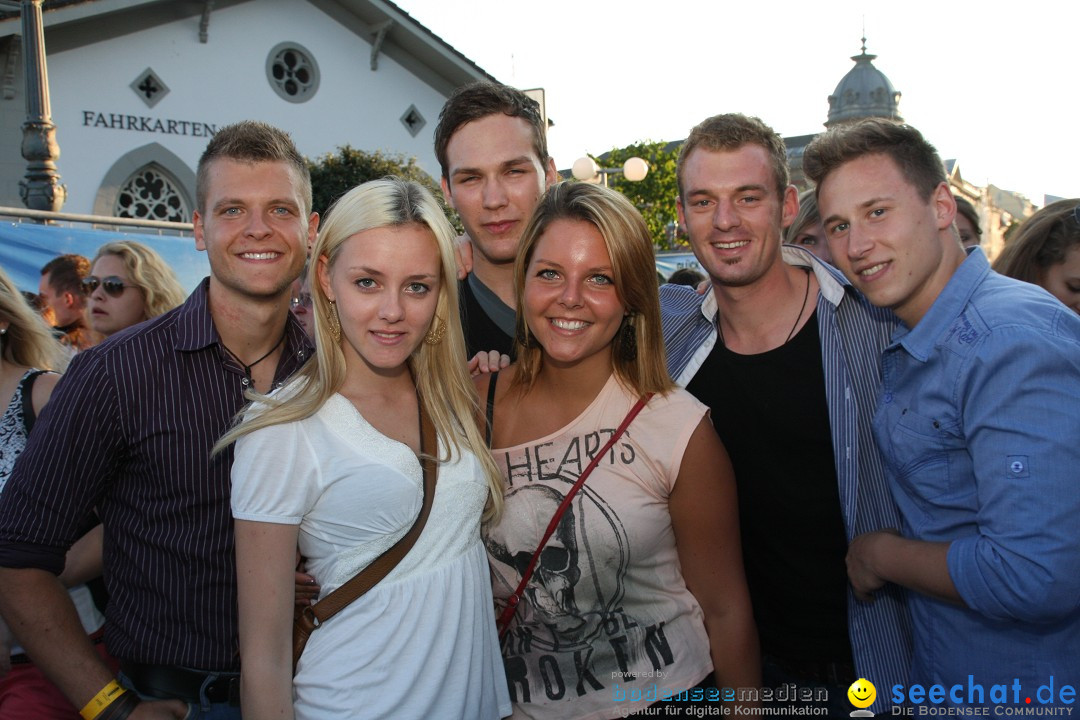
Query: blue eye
point(601, 280)
point(365, 283)
point(417, 288)
point(548, 274)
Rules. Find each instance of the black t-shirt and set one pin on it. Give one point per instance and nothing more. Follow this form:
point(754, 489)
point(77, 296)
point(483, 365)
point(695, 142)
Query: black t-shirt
point(770, 411)
point(481, 332)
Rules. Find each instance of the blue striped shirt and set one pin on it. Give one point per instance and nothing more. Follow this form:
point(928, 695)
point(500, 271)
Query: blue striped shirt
point(853, 334)
point(129, 430)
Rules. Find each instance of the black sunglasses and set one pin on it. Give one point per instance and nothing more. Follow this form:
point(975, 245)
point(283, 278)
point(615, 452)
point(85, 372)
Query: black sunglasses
point(301, 299)
point(113, 285)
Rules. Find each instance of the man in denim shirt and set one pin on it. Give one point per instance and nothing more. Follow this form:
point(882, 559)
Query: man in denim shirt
point(979, 422)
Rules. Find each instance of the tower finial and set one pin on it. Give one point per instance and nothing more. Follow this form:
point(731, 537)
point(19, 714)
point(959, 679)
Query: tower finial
point(864, 35)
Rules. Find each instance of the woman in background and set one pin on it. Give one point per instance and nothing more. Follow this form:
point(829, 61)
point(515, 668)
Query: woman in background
point(807, 230)
point(129, 283)
point(1045, 250)
point(29, 357)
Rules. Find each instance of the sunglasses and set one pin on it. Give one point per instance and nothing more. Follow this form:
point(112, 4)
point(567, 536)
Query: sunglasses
point(113, 285)
point(303, 299)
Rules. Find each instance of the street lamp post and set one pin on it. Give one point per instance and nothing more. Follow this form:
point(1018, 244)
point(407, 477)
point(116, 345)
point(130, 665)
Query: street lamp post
point(41, 189)
point(585, 169)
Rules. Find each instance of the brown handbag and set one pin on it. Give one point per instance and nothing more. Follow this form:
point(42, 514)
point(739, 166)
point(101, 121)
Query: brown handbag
point(313, 616)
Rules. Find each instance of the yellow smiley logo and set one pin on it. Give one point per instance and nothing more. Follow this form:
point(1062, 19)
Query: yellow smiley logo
point(862, 692)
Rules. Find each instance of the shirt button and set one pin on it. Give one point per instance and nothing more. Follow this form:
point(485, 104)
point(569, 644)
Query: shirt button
point(888, 397)
point(245, 382)
point(1017, 467)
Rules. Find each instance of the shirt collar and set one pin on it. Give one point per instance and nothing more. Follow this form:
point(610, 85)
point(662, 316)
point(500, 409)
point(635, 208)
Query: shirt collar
point(196, 331)
point(833, 284)
point(919, 341)
point(194, 326)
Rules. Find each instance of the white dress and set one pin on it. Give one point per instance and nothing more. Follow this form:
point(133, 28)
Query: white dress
point(421, 643)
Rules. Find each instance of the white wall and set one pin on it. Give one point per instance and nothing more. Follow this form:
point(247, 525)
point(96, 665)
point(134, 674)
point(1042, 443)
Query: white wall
point(224, 81)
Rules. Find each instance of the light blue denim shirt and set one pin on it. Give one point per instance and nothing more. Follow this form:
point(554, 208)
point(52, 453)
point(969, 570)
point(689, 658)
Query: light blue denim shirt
point(853, 334)
point(979, 422)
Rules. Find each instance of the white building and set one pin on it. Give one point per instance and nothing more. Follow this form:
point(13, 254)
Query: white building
point(138, 86)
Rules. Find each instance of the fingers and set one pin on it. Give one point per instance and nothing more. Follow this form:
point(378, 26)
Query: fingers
point(487, 362)
point(307, 590)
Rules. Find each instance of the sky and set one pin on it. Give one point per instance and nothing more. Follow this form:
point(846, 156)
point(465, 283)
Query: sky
point(992, 84)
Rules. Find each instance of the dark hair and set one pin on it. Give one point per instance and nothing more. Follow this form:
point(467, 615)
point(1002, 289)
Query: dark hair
point(252, 141)
point(916, 158)
point(965, 208)
point(686, 276)
point(66, 272)
point(730, 132)
point(1041, 241)
point(479, 100)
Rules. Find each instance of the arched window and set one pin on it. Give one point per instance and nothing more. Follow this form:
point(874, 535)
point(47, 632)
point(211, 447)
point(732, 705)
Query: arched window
point(152, 194)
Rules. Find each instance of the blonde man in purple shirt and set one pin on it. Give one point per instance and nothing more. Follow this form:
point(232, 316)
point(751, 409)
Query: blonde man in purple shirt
point(129, 432)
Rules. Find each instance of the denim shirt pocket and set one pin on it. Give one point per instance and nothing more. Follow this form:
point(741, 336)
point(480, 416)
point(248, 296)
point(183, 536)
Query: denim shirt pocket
point(925, 454)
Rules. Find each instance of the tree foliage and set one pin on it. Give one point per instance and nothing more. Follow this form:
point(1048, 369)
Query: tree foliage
point(335, 173)
point(655, 195)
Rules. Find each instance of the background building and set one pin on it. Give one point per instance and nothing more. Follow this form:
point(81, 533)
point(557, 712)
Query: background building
point(138, 86)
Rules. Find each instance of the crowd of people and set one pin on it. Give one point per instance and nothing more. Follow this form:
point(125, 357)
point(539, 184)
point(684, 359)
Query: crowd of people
point(844, 456)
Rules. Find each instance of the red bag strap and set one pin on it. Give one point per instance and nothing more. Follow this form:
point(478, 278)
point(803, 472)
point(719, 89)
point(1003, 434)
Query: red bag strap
point(512, 601)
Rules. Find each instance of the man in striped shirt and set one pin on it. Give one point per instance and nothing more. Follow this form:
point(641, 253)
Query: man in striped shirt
point(129, 432)
point(785, 354)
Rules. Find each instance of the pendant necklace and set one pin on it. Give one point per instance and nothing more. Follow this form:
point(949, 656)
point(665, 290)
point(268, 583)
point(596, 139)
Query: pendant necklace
point(247, 368)
point(806, 296)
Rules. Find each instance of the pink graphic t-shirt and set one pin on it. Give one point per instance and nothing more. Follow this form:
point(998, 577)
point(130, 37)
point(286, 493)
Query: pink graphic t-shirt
point(606, 624)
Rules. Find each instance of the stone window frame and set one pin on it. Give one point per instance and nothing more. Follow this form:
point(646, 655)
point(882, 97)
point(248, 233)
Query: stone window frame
point(152, 154)
point(310, 88)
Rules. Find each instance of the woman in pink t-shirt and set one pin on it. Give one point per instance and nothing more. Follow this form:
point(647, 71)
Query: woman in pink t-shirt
point(639, 595)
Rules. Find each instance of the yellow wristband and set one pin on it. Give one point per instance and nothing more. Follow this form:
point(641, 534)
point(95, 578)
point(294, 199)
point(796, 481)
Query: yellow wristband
point(102, 700)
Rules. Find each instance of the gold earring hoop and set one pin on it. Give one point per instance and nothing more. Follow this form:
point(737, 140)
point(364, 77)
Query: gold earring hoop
point(435, 334)
point(335, 323)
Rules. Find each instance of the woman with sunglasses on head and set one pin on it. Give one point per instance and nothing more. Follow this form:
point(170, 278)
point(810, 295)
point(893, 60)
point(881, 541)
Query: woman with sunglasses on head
point(333, 462)
point(29, 359)
point(129, 283)
point(639, 593)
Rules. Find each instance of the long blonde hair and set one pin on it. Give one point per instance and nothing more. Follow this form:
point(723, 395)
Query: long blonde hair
point(439, 370)
point(28, 341)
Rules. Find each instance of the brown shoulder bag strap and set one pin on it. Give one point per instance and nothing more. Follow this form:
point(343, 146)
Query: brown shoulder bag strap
point(312, 616)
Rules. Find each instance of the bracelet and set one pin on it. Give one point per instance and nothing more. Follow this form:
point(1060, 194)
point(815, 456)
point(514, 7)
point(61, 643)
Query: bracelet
point(102, 700)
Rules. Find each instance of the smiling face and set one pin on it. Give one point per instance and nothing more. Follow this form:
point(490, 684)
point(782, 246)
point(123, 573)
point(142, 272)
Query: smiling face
point(732, 212)
point(385, 282)
point(862, 693)
point(253, 228)
point(895, 247)
point(110, 314)
point(1062, 279)
point(571, 304)
point(494, 180)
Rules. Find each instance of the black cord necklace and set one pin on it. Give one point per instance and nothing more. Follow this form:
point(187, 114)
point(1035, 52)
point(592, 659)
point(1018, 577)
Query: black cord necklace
point(247, 368)
point(806, 296)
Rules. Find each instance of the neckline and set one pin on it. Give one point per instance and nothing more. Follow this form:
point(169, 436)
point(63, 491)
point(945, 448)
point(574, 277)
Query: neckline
point(611, 381)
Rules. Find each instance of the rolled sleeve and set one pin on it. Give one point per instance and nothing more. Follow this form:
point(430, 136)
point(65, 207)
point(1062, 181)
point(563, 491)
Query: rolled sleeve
point(62, 474)
point(1021, 418)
